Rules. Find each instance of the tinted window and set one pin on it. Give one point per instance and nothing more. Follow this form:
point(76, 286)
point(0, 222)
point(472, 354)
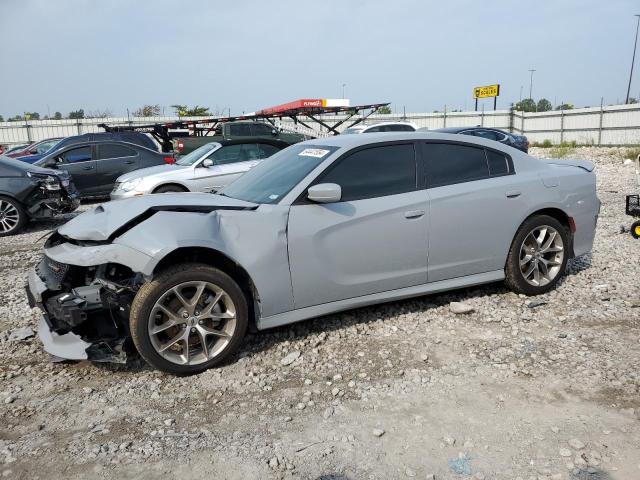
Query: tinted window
point(373, 130)
point(261, 129)
point(498, 163)
point(240, 130)
point(113, 150)
point(489, 135)
point(375, 172)
point(80, 154)
point(267, 150)
point(228, 154)
point(468, 132)
point(399, 128)
point(448, 163)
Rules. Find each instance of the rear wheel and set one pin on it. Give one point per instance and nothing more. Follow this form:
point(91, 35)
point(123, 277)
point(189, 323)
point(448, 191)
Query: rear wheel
point(635, 229)
point(538, 256)
point(12, 216)
point(169, 189)
point(188, 319)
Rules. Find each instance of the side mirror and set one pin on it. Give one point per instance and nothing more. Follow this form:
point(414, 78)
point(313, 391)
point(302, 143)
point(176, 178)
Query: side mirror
point(325, 193)
point(274, 132)
point(207, 162)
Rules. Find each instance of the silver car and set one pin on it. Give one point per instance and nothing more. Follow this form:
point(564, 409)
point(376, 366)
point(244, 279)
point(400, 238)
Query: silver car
point(322, 226)
point(206, 169)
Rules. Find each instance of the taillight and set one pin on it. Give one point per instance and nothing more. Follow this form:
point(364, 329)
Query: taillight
point(169, 160)
point(180, 147)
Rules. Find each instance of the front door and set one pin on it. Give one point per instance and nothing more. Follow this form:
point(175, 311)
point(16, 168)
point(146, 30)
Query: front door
point(373, 240)
point(81, 165)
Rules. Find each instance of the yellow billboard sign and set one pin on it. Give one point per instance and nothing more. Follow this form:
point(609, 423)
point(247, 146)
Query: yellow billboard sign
point(487, 91)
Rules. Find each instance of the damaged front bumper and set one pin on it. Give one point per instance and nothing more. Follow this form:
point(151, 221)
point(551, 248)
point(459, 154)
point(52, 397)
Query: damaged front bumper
point(85, 309)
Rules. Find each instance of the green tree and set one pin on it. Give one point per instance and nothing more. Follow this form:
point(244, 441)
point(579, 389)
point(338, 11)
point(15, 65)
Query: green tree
point(526, 105)
point(147, 111)
point(197, 111)
point(565, 106)
point(385, 109)
point(31, 116)
point(57, 116)
point(77, 114)
point(544, 105)
point(633, 100)
point(1, 118)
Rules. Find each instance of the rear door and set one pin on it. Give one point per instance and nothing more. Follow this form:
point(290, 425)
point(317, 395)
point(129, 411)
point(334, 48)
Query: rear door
point(80, 162)
point(113, 160)
point(476, 203)
point(373, 240)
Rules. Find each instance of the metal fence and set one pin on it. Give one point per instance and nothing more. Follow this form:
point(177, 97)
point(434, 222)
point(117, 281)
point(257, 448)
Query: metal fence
point(608, 125)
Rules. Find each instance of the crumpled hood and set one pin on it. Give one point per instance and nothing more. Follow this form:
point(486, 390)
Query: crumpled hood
point(104, 221)
point(158, 171)
point(566, 162)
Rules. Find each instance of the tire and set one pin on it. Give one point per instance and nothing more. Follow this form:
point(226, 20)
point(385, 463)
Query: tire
point(12, 216)
point(529, 252)
point(176, 291)
point(169, 189)
point(635, 229)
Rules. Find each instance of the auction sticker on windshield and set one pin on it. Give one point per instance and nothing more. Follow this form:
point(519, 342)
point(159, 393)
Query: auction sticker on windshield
point(314, 152)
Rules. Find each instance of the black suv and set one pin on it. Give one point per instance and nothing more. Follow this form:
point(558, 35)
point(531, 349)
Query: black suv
point(516, 141)
point(30, 192)
point(131, 137)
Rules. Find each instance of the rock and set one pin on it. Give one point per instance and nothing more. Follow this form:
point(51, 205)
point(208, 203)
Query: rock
point(537, 303)
point(329, 411)
point(449, 441)
point(555, 429)
point(10, 399)
point(409, 472)
point(335, 391)
point(290, 358)
point(168, 422)
point(460, 308)
point(575, 443)
point(301, 406)
point(378, 432)
point(20, 334)
point(565, 452)
point(479, 476)
point(273, 462)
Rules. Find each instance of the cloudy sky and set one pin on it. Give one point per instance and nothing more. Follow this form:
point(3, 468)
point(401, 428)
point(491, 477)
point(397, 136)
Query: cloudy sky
point(247, 54)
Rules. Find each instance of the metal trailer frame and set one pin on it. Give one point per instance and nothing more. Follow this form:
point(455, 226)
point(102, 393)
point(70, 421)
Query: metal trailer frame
point(160, 131)
point(632, 205)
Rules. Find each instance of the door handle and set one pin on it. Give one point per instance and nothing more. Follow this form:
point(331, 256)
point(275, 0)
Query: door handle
point(88, 167)
point(513, 194)
point(414, 214)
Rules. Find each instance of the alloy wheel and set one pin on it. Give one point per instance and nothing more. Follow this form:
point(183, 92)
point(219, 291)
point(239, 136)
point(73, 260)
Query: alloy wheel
point(192, 323)
point(541, 255)
point(9, 216)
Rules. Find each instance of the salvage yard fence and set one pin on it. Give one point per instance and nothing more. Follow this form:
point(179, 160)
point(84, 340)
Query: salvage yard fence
point(606, 125)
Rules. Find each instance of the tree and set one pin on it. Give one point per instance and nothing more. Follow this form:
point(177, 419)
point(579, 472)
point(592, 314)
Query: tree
point(197, 111)
point(544, 105)
point(1, 118)
point(57, 116)
point(148, 111)
point(77, 114)
point(633, 100)
point(98, 113)
point(526, 105)
point(385, 110)
point(565, 106)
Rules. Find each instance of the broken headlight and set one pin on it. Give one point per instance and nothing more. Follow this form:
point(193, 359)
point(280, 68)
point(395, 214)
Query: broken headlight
point(48, 182)
point(130, 185)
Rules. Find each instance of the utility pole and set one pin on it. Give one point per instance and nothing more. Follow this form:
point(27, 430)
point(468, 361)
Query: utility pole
point(531, 84)
point(343, 87)
point(520, 94)
point(633, 59)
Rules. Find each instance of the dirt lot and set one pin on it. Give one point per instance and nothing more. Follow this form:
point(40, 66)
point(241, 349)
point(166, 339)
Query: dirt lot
point(529, 388)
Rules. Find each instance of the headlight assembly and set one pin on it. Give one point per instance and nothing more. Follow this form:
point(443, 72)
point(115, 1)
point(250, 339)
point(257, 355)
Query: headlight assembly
point(48, 182)
point(130, 185)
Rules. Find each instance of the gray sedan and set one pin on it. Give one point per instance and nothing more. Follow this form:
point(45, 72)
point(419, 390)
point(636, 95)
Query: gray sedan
point(323, 226)
point(206, 169)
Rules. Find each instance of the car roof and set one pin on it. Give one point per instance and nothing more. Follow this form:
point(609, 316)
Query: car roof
point(352, 141)
point(464, 129)
point(271, 141)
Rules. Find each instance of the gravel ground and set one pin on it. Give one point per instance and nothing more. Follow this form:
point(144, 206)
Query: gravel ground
point(520, 388)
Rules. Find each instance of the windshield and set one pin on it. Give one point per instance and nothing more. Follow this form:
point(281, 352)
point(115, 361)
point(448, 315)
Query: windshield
point(274, 177)
point(193, 157)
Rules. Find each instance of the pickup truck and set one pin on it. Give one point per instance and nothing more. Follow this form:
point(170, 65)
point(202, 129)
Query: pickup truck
point(234, 131)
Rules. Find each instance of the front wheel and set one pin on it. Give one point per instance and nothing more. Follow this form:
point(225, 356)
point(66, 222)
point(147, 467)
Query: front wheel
point(538, 256)
point(188, 319)
point(12, 216)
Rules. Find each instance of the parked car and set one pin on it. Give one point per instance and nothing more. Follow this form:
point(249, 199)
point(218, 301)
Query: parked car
point(322, 226)
point(381, 127)
point(241, 130)
point(28, 192)
point(516, 141)
point(206, 169)
point(95, 166)
point(34, 151)
point(14, 148)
